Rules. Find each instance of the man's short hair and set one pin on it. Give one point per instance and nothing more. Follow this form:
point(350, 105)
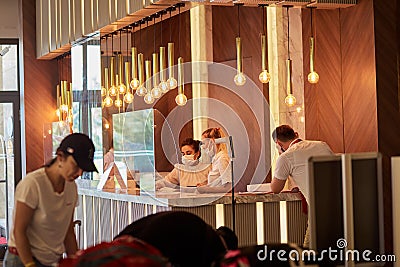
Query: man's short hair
point(283, 133)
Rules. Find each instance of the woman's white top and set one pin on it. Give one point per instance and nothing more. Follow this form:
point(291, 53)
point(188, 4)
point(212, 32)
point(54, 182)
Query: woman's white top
point(220, 173)
point(51, 218)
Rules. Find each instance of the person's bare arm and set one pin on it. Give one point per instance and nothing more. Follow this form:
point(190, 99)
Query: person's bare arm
point(277, 185)
point(71, 247)
point(23, 216)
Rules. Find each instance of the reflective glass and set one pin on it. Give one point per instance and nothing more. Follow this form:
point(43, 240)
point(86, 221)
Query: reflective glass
point(8, 67)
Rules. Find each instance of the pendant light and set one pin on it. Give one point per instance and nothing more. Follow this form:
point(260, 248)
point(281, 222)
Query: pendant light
point(118, 79)
point(163, 83)
point(240, 78)
point(313, 76)
point(290, 100)
point(134, 84)
point(172, 83)
point(141, 91)
point(180, 99)
point(121, 85)
point(103, 86)
point(156, 91)
point(113, 89)
point(264, 76)
point(148, 98)
point(128, 97)
point(108, 102)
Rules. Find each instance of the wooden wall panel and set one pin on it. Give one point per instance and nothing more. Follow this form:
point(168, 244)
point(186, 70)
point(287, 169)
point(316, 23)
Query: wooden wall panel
point(224, 51)
point(323, 101)
point(145, 45)
point(387, 49)
point(358, 78)
point(40, 79)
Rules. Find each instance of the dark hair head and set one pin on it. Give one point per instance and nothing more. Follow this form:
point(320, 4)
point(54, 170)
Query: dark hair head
point(212, 133)
point(195, 144)
point(284, 133)
point(228, 236)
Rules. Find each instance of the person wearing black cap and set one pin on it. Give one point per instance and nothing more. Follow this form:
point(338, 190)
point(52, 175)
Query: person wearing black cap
point(44, 206)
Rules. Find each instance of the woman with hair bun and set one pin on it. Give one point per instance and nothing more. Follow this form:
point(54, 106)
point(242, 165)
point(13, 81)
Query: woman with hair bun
point(220, 176)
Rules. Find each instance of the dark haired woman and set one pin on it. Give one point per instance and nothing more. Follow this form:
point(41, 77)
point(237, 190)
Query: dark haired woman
point(191, 172)
point(44, 206)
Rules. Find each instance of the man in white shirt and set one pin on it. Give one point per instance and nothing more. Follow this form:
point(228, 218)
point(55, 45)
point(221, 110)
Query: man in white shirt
point(294, 154)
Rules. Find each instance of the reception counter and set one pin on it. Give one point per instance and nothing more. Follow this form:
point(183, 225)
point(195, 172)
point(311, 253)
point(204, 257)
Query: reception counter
point(260, 217)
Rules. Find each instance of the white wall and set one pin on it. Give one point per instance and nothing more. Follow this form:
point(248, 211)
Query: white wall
point(9, 19)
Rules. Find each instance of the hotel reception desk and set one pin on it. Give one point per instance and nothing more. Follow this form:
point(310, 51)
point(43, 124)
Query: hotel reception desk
point(260, 218)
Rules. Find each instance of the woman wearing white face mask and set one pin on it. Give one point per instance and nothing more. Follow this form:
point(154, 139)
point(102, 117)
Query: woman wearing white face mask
point(220, 177)
point(191, 172)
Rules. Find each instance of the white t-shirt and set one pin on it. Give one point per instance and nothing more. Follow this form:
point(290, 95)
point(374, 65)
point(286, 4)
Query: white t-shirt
point(51, 218)
point(220, 172)
point(294, 160)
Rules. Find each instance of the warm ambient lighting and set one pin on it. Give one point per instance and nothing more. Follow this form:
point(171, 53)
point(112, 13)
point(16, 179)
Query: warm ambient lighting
point(148, 98)
point(113, 89)
point(313, 76)
point(290, 100)
point(264, 76)
point(128, 97)
point(134, 84)
point(141, 91)
point(163, 84)
point(172, 83)
point(121, 85)
point(239, 79)
point(181, 99)
point(156, 91)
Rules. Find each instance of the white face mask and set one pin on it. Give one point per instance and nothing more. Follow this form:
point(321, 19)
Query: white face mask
point(208, 150)
point(189, 160)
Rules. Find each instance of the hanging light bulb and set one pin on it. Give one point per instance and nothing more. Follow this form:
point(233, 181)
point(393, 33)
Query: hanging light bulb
point(141, 91)
point(118, 102)
point(163, 84)
point(121, 86)
point(103, 91)
point(180, 99)
point(172, 83)
point(148, 98)
point(156, 91)
point(134, 84)
point(128, 97)
point(264, 76)
point(108, 102)
point(240, 78)
point(290, 100)
point(313, 76)
point(113, 89)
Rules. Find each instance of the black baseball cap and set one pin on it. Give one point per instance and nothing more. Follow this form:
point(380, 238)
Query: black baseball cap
point(81, 148)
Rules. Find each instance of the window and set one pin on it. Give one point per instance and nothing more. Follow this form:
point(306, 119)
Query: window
point(86, 80)
point(8, 67)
